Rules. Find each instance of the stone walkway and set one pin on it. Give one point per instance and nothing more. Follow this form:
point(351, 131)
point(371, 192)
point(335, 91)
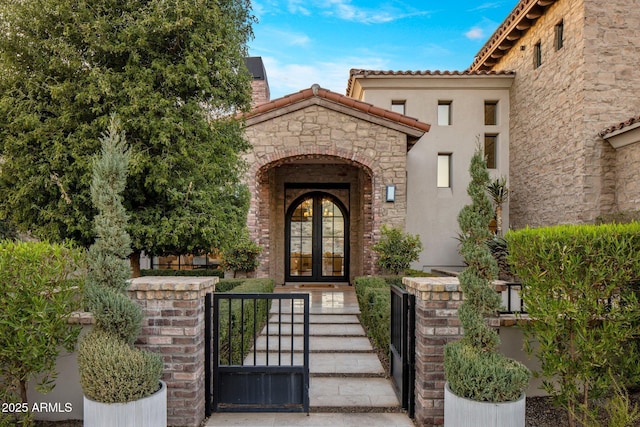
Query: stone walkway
point(347, 385)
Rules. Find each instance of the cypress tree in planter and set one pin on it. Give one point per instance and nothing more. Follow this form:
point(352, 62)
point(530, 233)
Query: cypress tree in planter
point(476, 373)
point(121, 384)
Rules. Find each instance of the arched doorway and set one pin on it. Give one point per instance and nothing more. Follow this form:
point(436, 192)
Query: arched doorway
point(317, 239)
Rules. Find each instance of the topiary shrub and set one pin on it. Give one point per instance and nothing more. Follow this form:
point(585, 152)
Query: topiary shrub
point(473, 368)
point(106, 358)
point(396, 250)
point(114, 312)
point(115, 372)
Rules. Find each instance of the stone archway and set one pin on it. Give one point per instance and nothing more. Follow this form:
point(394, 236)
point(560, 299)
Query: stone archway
point(279, 183)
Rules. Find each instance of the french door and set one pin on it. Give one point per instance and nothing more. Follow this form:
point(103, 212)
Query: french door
point(317, 235)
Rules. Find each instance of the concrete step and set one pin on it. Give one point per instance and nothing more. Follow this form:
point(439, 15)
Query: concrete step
point(335, 392)
point(262, 419)
point(352, 364)
point(315, 329)
point(316, 343)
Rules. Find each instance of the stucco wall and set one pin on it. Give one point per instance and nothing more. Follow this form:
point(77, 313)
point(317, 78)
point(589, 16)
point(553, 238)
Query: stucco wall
point(322, 136)
point(628, 177)
point(431, 211)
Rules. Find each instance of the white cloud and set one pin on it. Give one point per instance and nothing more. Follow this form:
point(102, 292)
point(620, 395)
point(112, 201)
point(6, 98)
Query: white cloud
point(295, 6)
point(484, 6)
point(475, 33)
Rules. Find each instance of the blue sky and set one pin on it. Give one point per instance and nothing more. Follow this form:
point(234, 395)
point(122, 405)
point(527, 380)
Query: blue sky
point(303, 42)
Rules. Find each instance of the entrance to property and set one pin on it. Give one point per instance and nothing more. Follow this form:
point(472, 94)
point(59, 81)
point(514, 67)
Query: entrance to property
point(402, 363)
point(317, 239)
point(256, 352)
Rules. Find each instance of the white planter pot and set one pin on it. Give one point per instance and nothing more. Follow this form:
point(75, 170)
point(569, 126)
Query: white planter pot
point(463, 412)
point(150, 411)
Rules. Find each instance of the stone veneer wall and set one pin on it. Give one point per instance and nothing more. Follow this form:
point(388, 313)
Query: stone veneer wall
point(174, 326)
point(436, 324)
point(628, 177)
point(319, 135)
point(560, 170)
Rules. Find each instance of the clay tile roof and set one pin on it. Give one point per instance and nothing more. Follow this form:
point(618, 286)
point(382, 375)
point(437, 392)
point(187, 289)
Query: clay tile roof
point(317, 91)
point(355, 72)
point(633, 120)
point(521, 18)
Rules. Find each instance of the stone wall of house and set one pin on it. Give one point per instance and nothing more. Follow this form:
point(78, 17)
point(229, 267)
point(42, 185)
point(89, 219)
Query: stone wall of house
point(628, 177)
point(259, 92)
point(320, 145)
point(561, 170)
point(612, 49)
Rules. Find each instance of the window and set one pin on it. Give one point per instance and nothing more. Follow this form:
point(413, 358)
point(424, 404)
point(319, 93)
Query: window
point(398, 107)
point(444, 113)
point(491, 150)
point(559, 35)
point(444, 170)
point(537, 55)
point(490, 112)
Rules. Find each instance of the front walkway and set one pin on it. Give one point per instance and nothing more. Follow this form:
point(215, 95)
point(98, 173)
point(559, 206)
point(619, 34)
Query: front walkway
point(347, 385)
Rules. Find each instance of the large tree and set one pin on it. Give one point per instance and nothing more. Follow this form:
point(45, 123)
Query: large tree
point(172, 70)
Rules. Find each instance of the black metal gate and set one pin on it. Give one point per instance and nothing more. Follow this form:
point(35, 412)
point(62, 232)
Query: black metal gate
point(402, 360)
point(257, 353)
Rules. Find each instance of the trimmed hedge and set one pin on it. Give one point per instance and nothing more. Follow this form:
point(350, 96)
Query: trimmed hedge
point(235, 353)
point(374, 299)
point(580, 285)
point(199, 272)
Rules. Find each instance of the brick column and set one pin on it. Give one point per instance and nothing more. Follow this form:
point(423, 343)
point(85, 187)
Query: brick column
point(174, 327)
point(437, 323)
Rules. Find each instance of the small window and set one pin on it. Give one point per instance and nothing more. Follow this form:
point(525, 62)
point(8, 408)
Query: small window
point(537, 55)
point(491, 150)
point(490, 112)
point(398, 107)
point(444, 170)
point(559, 35)
point(444, 113)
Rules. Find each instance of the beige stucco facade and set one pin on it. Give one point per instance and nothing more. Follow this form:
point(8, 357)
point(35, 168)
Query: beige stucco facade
point(431, 210)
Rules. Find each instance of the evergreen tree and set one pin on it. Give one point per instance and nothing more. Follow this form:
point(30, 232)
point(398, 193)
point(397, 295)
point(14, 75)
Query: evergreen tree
point(111, 370)
point(171, 70)
point(473, 367)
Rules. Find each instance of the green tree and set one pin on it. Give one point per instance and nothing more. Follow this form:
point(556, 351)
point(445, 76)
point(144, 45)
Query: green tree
point(172, 70)
point(473, 366)
point(39, 289)
point(111, 370)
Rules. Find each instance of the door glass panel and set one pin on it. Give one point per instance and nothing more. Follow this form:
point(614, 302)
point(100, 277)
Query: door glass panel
point(301, 240)
point(333, 247)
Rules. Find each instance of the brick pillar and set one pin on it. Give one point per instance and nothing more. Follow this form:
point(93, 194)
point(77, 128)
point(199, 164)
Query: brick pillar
point(174, 327)
point(437, 323)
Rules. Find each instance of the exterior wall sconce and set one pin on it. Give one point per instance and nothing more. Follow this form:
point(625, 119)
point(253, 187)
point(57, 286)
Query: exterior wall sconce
point(390, 193)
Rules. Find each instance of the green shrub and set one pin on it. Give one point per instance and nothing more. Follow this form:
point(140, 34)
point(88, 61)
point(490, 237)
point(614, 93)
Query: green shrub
point(114, 312)
point(486, 376)
point(374, 300)
point(360, 283)
point(236, 351)
point(242, 256)
point(580, 288)
point(39, 289)
point(115, 372)
point(396, 250)
point(227, 285)
point(200, 272)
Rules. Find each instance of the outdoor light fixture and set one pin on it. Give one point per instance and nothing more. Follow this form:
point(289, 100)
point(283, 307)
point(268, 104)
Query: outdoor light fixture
point(391, 193)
